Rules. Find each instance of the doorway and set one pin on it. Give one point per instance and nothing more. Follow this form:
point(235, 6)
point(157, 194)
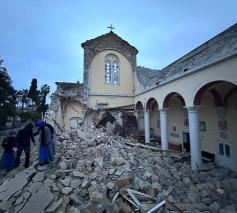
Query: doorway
point(224, 153)
point(186, 142)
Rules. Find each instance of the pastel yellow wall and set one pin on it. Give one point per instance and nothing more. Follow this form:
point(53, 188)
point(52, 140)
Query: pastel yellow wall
point(113, 101)
point(74, 109)
point(114, 95)
point(58, 116)
point(97, 75)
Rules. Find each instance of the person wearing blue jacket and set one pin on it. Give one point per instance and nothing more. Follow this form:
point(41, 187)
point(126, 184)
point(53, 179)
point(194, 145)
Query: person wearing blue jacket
point(8, 158)
point(46, 149)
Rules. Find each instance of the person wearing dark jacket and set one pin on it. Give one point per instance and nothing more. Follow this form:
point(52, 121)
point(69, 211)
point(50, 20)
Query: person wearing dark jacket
point(8, 159)
point(23, 139)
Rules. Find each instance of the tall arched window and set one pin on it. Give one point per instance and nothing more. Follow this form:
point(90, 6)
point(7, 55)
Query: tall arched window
point(111, 69)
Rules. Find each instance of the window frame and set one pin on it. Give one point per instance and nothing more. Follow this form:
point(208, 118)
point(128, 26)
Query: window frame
point(110, 61)
point(224, 152)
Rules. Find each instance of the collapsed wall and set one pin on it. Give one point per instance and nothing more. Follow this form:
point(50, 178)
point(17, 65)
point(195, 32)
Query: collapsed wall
point(96, 171)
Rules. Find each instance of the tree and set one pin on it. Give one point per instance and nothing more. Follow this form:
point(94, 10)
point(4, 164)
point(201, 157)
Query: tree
point(44, 91)
point(22, 97)
point(33, 93)
point(7, 95)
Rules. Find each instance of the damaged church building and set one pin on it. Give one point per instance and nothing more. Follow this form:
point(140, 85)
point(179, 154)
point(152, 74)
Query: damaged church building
point(190, 105)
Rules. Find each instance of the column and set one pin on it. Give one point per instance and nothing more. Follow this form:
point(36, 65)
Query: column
point(164, 128)
point(194, 131)
point(136, 115)
point(147, 125)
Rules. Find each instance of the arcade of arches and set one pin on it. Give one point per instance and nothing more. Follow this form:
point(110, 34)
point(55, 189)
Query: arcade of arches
point(206, 129)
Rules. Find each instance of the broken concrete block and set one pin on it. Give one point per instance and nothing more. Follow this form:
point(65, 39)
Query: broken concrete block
point(66, 190)
point(38, 201)
point(63, 165)
point(93, 175)
point(110, 185)
point(99, 161)
point(8, 189)
point(123, 181)
point(53, 208)
point(78, 174)
point(214, 207)
point(123, 207)
point(39, 177)
point(187, 181)
point(147, 175)
point(111, 171)
point(66, 182)
point(19, 200)
point(5, 205)
point(53, 176)
point(96, 197)
point(84, 183)
point(75, 199)
point(117, 161)
point(156, 187)
point(75, 183)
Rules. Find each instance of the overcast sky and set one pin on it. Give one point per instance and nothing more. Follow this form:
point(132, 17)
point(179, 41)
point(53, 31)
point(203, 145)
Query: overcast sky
point(42, 38)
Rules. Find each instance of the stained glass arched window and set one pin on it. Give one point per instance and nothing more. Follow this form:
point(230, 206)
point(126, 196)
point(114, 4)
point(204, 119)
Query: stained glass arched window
point(111, 69)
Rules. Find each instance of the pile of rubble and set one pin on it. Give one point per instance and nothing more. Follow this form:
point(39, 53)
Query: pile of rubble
point(96, 171)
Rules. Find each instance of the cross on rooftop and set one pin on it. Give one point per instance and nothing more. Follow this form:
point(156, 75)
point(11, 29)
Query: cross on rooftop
point(111, 27)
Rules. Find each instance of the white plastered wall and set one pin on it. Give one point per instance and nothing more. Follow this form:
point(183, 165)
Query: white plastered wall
point(188, 85)
point(231, 118)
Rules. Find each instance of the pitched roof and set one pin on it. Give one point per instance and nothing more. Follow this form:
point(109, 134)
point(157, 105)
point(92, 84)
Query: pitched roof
point(221, 46)
point(148, 77)
point(111, 36)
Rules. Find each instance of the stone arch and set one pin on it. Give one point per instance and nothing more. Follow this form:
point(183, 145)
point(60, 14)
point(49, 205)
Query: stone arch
point(139, 105)
point(219, 100)
point(216, 118)
point(228, 95)
point(169, 96)
point(75, 122)
point(152, 104)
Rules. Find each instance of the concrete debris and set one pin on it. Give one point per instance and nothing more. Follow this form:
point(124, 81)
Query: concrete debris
point(66, 190)
point(98, 171)
point(38, 201)
point(53, 208)
point(5, 205)
point(117, 161)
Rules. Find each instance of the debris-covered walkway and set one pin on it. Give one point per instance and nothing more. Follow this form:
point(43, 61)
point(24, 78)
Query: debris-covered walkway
point(95, 171)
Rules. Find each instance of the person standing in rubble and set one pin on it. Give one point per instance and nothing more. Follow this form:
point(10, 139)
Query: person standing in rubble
point(51, 144)
point(23, 141)
point(8, 160)
point(46, 150)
